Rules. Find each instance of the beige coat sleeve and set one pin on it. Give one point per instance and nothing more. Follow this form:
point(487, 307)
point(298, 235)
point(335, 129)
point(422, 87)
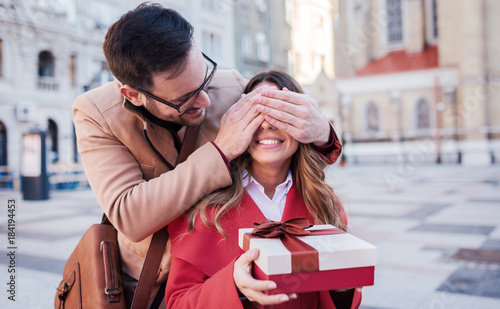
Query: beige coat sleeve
point(136, 207)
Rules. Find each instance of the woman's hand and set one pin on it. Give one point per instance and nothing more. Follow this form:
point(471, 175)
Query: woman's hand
point(252, 288)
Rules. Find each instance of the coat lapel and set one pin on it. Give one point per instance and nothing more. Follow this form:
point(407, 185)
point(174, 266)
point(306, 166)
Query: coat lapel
point(295, 206)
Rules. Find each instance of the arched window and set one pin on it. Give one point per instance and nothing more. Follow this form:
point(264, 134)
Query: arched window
point(372, 118)
point(423, 114)
point(3, 144)
point(52, 142)
point(46, 64)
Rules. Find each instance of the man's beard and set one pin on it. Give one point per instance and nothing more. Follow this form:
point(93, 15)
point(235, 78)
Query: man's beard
point(177, 118)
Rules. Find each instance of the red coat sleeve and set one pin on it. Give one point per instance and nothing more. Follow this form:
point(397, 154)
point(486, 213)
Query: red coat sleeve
point(330, 152)
point(188, 287)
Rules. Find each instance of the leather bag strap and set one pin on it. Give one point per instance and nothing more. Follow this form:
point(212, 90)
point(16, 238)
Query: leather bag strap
point(160, 238)
point(150, 269)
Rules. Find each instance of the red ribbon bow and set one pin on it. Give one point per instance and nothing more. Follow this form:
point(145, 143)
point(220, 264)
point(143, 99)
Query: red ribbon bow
point(271, 229)
point(304, 257)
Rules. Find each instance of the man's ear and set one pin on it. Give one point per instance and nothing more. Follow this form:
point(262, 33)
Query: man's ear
point(131, 94)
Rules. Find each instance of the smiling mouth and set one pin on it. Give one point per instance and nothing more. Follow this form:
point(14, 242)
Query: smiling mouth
point(269, 142)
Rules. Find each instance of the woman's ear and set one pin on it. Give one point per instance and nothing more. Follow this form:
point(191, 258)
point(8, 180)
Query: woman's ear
point(131, 94)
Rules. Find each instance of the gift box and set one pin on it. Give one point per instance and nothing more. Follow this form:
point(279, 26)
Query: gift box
point(316, 258)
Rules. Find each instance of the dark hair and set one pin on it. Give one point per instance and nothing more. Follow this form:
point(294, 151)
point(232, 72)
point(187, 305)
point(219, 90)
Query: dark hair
point(278, 77)
point(147, 40)
point(307, 169)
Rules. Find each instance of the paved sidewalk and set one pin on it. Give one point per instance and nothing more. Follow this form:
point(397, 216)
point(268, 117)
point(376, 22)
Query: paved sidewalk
point(46, 234)
point(418, 217)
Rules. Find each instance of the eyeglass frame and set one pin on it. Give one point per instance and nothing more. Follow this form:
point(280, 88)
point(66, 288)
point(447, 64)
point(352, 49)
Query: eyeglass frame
point(195, 94)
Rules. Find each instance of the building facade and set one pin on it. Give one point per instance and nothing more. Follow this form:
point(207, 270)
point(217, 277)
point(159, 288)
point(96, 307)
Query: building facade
point(419, 80)
point(214, 31)
point(262, 36)
point(51, 52)
point(312, 38)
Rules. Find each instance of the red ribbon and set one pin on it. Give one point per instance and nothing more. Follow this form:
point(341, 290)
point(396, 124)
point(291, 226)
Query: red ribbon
point(304, 257)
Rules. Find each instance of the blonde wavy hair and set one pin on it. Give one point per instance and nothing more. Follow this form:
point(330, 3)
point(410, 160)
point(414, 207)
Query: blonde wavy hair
point(307, 170)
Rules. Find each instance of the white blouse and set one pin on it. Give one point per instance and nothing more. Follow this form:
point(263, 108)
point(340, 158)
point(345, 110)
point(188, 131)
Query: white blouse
point(271, 208)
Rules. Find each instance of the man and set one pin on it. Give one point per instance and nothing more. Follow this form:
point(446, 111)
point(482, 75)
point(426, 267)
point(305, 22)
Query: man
point(130, 130)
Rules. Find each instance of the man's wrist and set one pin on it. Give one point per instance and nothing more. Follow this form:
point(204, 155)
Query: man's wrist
point(328, 144)
point(327, 137)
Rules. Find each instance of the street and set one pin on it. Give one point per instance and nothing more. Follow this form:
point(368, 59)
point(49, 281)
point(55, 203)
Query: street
point(437, 229)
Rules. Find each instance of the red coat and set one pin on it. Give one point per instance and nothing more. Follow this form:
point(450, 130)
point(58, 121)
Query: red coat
point(201, 274)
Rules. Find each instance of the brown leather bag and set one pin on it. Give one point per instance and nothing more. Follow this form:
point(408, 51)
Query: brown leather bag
point(92, 275)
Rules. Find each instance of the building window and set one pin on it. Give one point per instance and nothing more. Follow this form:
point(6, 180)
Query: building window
point(318, 23)
point(210, 4)
point(52, 142)
point(423, 114)
point(72, 69)
point(247, 45)
point(372, 118)
point(431, 22)
point(106, 75)
point(394, 22)
point(298, 63)
point(289, 8)
point(46, 72)
point(211, 45)
point(261, 6)
point(434, 19)
point(102, 75)
point(262, 47)
point(46, 64)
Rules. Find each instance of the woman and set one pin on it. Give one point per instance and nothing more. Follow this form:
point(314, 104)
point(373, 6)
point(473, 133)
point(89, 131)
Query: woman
point(277, 179)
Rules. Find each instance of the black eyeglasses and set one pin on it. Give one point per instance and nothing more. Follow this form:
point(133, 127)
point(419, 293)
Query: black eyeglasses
point(181, 107)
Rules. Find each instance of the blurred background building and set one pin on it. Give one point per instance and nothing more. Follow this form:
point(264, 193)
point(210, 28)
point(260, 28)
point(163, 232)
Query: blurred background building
point(401, 80)
point(419, 80)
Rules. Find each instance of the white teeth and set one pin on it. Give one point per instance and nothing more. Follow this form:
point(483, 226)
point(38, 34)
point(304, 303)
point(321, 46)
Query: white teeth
point(268, 142)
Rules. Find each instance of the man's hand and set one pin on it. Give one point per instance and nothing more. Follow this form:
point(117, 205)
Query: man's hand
point(295, 113)
point(238, 125)
point(252, 288)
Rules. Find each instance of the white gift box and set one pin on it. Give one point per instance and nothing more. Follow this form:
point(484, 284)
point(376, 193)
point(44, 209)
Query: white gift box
point(344, 261)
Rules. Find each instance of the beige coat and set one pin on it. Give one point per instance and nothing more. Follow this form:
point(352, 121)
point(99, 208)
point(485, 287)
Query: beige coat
point(133, 186)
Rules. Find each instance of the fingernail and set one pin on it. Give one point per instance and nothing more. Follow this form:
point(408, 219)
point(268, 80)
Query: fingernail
point(264, 92)
point(273, 87)
point(292, 296)
point(271, 285)
point(284, 298)
point(259, 107)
